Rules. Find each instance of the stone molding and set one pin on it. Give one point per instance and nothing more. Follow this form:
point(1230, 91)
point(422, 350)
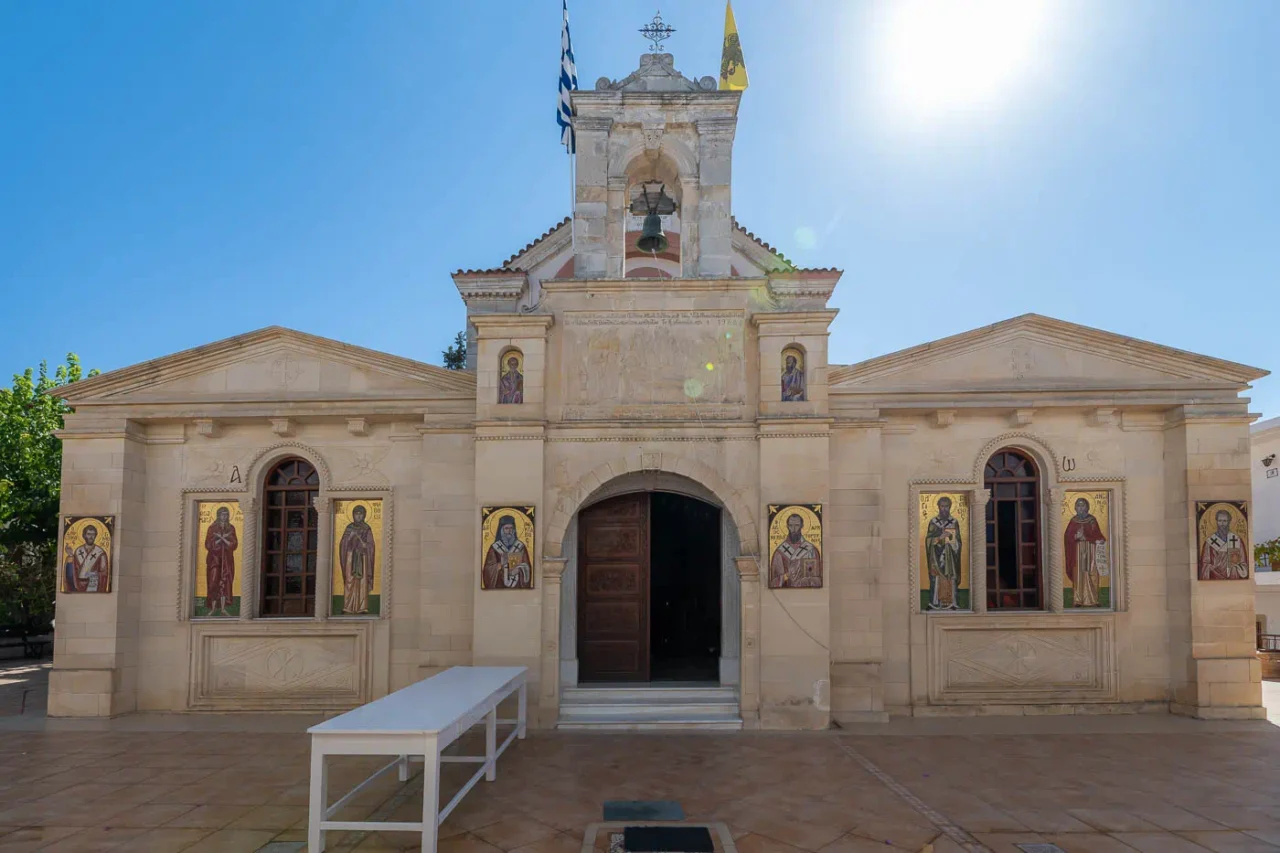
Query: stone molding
point(1014, 659)
point(279, 665)
point(574, 497)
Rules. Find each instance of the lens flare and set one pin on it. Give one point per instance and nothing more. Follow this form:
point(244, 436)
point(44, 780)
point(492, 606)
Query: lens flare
point(693, 388)
point(710, 366)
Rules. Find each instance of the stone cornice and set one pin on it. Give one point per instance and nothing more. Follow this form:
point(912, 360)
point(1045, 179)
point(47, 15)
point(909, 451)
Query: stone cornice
point(762, 319)
point(490, 285)
point(680, 286)
point(819, 284)
point(116, 386)
point(1177, 364)
point(717, 125)
point(512, 323)
point(591, 123)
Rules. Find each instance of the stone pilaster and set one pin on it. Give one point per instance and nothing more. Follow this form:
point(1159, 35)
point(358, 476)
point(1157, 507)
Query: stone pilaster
point(1057, 568)
point(749, 687)
point(978, 549)
point(616, 228)
point(689, 227)
point(715, 228)
point(95, 647)
point(1216, 672)
point(249, 559)
point(549, 694)
point(591, 196)
point(324, 557)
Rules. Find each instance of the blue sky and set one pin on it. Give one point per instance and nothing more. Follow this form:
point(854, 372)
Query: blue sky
point(176, 173)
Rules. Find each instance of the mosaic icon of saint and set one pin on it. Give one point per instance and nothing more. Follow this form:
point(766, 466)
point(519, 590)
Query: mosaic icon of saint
point(792, 381)
point(506, 563)
point(356, 551)
point(1081, 540)
point(220, 545)
point(87, 569)
point(511, 385)
point(796, 561)
point(942, 544)
point(1223, 556)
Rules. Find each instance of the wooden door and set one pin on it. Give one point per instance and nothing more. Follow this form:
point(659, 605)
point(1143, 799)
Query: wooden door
point(613, 590)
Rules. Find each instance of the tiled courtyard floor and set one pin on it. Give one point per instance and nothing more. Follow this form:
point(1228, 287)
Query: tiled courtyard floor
point(1087, 784)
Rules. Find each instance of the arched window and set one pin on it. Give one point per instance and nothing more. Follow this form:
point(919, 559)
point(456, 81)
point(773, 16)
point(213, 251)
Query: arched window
point(1014, 579)
point(290, 540)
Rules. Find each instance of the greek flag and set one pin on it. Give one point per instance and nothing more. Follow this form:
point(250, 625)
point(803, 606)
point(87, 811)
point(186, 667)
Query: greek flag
point(568, 83)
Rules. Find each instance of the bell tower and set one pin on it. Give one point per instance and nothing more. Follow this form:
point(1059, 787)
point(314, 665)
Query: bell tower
point(653, 146)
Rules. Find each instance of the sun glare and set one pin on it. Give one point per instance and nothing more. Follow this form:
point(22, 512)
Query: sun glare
point(942, 56)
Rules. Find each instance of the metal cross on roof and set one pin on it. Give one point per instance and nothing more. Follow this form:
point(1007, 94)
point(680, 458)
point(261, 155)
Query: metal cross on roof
point(657, 32)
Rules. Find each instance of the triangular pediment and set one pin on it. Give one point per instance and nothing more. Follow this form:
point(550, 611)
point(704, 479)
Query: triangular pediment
point(273, 364)
point(1040, 353)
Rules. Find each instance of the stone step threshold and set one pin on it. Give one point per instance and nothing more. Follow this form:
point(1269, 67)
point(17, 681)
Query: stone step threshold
point(675, 722)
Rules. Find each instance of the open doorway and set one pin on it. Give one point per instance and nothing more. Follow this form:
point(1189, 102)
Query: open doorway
point(649, 606)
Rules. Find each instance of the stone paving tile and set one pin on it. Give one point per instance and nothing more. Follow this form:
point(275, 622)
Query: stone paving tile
point(232, 841)
point(159, 783)
point(1158, 842)
point(1088, 843)
point(165, 840)
point(1230, 842)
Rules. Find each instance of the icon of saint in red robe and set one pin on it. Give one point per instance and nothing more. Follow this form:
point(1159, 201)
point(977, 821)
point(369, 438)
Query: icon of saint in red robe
point(220, 545)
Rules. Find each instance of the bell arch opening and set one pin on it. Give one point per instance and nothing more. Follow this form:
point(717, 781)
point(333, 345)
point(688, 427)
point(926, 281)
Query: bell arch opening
point(650, 591)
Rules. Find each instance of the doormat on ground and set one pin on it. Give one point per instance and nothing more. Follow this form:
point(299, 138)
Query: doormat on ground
point(667, 839)
point(608, 837)
point(643, 810)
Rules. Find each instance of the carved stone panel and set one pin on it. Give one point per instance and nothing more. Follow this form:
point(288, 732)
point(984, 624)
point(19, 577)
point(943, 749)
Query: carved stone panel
point(1021, 660)
point(259, 666)
point(665, 364)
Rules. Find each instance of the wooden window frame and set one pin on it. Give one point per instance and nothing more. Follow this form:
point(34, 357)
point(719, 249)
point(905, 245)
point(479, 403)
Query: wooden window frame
point(1030, 598)
point(303, 479)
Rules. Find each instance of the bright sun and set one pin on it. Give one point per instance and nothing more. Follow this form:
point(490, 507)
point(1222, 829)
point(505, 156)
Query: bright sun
point(956, 55)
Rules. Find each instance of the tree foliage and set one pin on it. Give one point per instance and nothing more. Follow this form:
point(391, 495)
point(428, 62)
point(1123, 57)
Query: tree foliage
point(30, 480)
point(1267, 554)
point(455, 357)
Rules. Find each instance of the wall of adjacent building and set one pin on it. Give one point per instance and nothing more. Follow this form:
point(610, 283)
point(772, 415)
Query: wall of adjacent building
point(1265, 441)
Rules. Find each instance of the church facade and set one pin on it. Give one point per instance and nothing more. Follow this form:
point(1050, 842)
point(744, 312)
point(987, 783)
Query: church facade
point(650, 475)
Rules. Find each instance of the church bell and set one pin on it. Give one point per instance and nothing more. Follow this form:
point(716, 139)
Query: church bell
point(652, 240)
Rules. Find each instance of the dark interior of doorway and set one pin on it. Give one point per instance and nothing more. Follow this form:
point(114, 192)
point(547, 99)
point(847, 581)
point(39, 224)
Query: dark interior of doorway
point(684, 603)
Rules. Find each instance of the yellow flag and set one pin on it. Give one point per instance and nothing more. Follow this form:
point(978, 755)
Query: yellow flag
point(733, 68)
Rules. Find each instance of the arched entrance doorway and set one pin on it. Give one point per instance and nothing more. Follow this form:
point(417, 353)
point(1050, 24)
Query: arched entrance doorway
point(649, 589)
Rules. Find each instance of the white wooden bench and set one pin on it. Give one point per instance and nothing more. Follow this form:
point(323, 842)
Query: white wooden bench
point(420, 720)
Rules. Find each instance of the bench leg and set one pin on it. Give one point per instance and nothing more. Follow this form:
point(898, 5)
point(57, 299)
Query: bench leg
point(430, 797)
point(491, 746)
point(319, 800)
point(523, 712)
point(402, 770)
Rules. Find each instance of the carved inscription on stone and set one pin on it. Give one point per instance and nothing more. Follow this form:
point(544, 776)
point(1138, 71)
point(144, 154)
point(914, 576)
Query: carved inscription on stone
point(654, 364)
point(283, 665)
point(1051, 660)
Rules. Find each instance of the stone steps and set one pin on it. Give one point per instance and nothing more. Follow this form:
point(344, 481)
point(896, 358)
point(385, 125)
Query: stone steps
point(629, 708)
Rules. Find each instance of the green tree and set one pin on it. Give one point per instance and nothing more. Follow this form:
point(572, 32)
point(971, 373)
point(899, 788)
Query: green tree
point(30, 480)
point(455, 357)
point(1267, 554)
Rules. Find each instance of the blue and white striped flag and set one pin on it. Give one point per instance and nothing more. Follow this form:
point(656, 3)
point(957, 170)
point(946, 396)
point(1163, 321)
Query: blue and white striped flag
point(568, 83)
